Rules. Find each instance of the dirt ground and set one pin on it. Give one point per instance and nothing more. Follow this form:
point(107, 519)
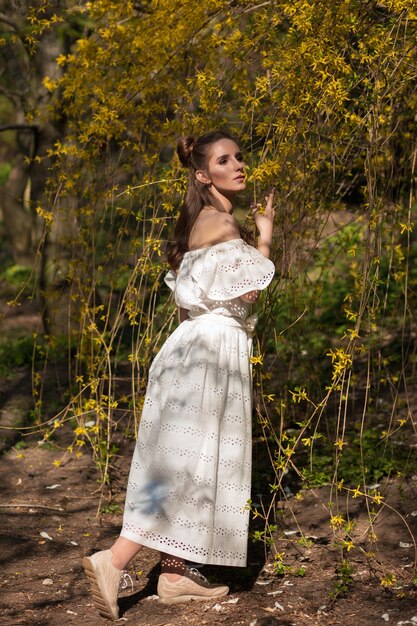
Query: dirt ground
point(48, 523)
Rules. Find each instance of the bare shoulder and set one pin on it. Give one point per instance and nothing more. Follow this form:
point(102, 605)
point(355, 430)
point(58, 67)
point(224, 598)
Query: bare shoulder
point(213, 227)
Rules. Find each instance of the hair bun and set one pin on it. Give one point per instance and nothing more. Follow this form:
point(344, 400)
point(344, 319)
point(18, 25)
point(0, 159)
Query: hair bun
point(184, 149)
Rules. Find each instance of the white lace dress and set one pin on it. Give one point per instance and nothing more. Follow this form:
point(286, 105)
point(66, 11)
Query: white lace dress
point(191, 470)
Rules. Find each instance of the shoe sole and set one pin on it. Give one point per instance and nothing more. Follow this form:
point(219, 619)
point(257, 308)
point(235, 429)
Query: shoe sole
point(180, 599)
point(103, 608)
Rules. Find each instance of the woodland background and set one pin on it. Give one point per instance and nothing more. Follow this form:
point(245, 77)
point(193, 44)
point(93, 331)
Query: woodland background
point(322, 95)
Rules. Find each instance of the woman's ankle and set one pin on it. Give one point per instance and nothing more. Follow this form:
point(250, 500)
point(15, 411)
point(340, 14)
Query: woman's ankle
point(117, 562)
point(124, 550)
point(172, 577)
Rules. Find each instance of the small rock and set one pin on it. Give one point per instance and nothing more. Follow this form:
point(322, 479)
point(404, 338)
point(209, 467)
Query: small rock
point(385, 617)
point(404, 544)
point(71, 612)
point(217, 607)
point(47, 581)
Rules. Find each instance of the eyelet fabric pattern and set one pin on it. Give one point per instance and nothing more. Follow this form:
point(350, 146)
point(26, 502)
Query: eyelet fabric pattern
point(190, 476)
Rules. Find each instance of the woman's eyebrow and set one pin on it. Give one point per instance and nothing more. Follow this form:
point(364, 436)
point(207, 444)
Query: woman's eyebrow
point(224, 156)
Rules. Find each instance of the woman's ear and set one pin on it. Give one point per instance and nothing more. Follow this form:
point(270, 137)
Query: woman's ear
point(202, 177)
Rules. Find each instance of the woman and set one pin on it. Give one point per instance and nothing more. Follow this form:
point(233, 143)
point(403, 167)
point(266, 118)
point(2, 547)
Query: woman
point(190, 476)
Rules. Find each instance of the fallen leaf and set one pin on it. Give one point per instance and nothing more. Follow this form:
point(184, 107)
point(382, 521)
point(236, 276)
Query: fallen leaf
point(231, 601)
point(53, 486)
point(45, 535)
point(279, 606)
point(263, 582)
point(385, 617)
point(71, 612)
point(403, 544)
point(217, 607)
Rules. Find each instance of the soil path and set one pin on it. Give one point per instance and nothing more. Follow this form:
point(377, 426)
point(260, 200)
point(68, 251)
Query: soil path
point(48, 523)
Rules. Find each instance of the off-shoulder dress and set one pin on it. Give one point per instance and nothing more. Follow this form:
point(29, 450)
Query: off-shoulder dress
point(190, 476)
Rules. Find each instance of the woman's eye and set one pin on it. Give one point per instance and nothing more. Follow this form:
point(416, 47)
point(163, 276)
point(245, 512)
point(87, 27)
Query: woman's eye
point(223, 161)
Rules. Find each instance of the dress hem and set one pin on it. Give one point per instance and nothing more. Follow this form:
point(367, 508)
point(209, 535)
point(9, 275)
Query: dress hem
point(184, 554)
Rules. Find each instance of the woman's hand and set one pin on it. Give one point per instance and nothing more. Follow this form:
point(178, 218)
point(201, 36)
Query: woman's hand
point(264, 220)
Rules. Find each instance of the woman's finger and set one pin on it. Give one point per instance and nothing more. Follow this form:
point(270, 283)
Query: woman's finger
point(270, 198)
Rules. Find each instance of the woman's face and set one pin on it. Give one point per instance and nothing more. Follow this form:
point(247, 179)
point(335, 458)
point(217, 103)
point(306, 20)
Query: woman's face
point(226, 168)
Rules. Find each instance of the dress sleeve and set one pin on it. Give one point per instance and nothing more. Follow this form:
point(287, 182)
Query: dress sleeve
point(171, 279)
point(226, 271)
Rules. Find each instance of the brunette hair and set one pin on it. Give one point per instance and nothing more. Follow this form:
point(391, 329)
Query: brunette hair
point(195, 155)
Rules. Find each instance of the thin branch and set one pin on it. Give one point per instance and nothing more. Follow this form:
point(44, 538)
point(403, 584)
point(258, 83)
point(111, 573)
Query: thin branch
point(9, 22)
point(31, 506)
point(29, 127)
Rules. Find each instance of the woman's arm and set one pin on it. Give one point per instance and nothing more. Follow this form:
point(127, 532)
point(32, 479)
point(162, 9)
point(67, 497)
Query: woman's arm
point(264, 220)
point(265, 224)
point(251, 296)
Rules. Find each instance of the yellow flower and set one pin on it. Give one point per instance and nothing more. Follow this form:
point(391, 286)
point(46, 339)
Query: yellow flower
point(348, 545)
point(336, 521)
point(377, 498)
